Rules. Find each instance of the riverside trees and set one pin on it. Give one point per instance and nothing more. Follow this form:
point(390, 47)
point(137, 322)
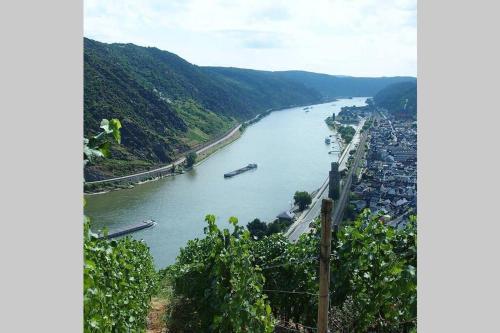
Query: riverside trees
point(347, 133)
point(191, 159)
point(258, 229)
point(303, 199)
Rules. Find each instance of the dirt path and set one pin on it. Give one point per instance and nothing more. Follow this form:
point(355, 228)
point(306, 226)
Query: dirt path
point(156, 316)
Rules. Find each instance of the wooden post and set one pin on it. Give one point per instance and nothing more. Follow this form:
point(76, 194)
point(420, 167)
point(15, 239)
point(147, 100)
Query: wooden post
point(334, 179)
point(324, 264)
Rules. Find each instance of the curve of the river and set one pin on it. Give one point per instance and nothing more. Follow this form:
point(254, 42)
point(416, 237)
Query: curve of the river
point(289, 149)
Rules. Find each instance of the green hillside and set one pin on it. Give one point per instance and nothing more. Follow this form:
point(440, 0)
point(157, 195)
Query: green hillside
point(168, 105)
point(399, 98)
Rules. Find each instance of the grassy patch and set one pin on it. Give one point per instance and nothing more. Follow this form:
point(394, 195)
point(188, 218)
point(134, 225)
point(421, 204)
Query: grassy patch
point(202, 123)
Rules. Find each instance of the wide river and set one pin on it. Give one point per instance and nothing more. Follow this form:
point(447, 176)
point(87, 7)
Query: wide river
point(290, 151)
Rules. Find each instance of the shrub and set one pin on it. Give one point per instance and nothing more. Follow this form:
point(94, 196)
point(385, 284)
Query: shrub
point(214, 281)
point(191, 159)
point(119, 279)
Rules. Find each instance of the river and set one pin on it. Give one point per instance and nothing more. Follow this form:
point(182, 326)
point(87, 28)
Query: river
point(289, 149)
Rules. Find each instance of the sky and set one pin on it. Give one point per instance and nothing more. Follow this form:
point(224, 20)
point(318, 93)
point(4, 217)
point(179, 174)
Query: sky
point(340, 37)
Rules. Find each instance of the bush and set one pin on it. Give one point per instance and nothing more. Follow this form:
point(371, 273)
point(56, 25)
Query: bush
point(257, 228)
point(277, 226)
point(374, 268)
point(215, 282)
point(119, 279)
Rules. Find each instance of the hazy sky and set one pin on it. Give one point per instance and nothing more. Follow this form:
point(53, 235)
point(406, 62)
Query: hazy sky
point(343, 37)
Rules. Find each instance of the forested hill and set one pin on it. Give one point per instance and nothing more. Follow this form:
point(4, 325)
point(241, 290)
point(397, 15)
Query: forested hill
point(400, 98)
point(168, 105)
point(262, 90)
point(333, 86)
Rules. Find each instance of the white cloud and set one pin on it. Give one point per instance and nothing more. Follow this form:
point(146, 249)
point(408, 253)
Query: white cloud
point(362, 37)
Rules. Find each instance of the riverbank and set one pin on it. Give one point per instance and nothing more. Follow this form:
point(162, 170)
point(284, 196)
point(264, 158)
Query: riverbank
point(105, 186)
point(303, 220)
point(128, 182)
point(209, 152)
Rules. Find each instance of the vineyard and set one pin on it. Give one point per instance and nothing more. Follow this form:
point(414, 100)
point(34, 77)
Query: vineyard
point(119, 280)
point(228, 282)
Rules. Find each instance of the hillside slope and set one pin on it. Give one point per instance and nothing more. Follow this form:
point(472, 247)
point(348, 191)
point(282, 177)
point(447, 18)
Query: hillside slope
point(399, 98)
point(262, 90)
point(168, 105)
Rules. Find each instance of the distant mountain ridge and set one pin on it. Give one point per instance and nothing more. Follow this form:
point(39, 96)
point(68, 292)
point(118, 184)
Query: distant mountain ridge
point(168, 105)
point(334, 86)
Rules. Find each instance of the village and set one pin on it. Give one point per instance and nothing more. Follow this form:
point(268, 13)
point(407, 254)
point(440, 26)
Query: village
point(387, 182)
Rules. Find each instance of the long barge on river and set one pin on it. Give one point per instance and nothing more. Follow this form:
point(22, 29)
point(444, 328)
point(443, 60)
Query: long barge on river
point(129, 229)
point(237, 172)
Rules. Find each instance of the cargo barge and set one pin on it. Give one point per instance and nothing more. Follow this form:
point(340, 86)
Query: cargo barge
point(237, 172)
point(130, 229)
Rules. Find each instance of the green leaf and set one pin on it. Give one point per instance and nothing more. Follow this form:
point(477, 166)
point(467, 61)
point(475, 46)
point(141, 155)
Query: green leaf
point(105, 126)
point(115, 125)
point(104, 148)
point(94, 323)
point(91, 154)
point(233, 220)
point(396, 270)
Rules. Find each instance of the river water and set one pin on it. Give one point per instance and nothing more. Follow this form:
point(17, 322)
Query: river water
point(290, 151)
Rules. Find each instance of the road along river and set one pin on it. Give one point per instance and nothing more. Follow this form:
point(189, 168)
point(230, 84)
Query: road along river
point(289, 148)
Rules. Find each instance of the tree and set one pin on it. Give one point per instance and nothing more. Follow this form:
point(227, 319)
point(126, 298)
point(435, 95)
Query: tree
point(257, 228)
point(278, 225)
point(347, 133)
point(191, 159)
point(303, 199)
